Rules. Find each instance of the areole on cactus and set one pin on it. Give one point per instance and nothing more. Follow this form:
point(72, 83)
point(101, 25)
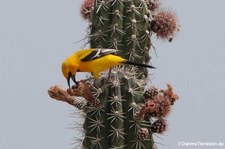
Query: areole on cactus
point(118, 110)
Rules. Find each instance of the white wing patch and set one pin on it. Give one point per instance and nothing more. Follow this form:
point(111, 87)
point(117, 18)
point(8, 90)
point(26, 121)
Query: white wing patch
point(97, 53)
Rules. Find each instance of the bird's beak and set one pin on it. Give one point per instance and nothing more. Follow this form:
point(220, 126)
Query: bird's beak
point(68, 79)
point(74, 79)
point(71, 77)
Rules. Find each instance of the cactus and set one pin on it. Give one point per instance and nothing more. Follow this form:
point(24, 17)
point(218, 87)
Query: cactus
point(118, 110)
point(125, 25)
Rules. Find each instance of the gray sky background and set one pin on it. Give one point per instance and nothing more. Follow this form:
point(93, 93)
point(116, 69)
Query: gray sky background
point(36, 36)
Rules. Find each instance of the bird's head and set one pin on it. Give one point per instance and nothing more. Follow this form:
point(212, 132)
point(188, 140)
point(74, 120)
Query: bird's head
point(69, 70)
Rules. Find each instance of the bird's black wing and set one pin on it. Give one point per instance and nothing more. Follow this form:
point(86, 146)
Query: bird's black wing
point(97, 53)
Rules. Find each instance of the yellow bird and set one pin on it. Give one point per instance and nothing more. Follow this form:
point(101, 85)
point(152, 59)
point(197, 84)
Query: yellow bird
point(94, 61)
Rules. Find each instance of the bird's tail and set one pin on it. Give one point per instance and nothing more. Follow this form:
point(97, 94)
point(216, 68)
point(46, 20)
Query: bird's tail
point(138, 64)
